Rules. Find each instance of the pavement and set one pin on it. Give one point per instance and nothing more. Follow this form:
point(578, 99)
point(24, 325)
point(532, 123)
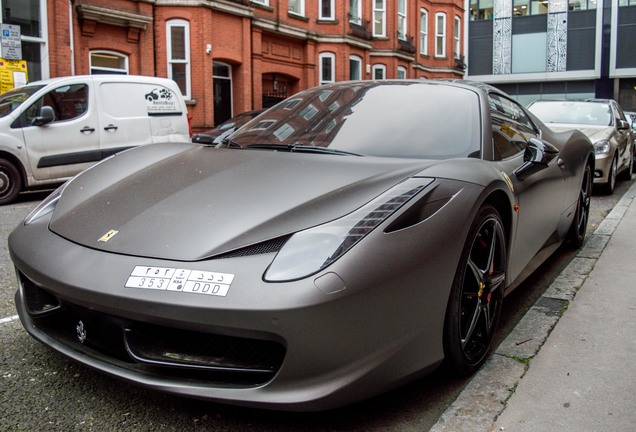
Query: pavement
point(570, 363)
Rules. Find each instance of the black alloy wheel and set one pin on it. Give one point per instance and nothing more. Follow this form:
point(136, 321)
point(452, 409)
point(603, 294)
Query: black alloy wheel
point(576, 236)
point(10, 182)
point(477, 294)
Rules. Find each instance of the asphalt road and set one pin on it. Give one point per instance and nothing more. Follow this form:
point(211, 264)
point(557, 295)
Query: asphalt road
point(40, 390)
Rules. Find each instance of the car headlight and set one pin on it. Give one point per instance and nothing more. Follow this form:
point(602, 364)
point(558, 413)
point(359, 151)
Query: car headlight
point(46, 206)
point(309, 251)
point(601, 147)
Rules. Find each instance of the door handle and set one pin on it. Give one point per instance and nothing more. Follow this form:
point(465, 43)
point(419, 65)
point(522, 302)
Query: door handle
point(86, 130)
point(110, 127)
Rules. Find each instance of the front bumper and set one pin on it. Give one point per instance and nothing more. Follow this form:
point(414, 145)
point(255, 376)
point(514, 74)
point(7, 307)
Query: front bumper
point(366, 324)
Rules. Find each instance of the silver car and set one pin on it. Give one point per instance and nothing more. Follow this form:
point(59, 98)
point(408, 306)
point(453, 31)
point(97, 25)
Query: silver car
point(605, 124)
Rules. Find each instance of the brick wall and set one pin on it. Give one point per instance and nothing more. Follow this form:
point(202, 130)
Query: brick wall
point(261, 44)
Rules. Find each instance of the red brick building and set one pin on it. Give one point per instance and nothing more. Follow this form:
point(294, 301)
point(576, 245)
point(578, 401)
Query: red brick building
point(230, 56)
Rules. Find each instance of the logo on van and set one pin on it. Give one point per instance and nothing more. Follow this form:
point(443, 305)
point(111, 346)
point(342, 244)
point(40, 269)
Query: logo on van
point(161, 101)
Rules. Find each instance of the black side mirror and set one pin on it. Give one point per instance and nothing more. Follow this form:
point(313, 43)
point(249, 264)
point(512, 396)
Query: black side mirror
point(46, 116)
point(537, 156)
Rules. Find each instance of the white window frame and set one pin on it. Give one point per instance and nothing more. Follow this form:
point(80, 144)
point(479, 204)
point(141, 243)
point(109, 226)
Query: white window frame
point(186, 26)
point(301, 7)
point(379, 14)
point(402, 8)
point(263, 2)
point(381, 68)
point(355, 16)
point(107, 69)
point(358, 60)
point(423, 32)
point(440, 35)
point(457, 37)
point(401, 72)
point(321, 57)
point(332, 8)
point(42, 41)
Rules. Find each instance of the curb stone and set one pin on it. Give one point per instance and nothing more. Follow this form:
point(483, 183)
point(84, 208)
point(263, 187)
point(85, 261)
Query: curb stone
point(484, 398)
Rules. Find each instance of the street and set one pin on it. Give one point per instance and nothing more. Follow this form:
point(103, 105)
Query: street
point(41, 390)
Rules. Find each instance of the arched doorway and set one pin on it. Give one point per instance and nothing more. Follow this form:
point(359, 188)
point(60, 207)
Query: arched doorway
point(222, 81)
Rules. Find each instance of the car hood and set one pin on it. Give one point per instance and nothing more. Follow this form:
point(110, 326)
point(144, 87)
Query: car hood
point(594, 133)
point(189, 202)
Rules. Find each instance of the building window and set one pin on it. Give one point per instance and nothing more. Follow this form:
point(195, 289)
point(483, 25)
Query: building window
point(424, 32)
point(529, 7)
point(457, 38)
point(355, 68)
point(379, 72)
point(297, 7)
point(263, 2)
point(401, 17)
point(440, 35)
point(327, 9)
point(481, 9)
point(327, 68)
point(401, 72)
point(593, 6)
point(379, 18)
point(178, 45)
point(355, 11)
point(30, 15)
point(108, 62)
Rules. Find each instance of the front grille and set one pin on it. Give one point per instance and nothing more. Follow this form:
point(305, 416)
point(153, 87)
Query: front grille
point(155, 350)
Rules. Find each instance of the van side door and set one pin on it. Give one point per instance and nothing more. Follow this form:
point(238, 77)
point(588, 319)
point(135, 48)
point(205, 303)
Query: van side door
point(69, 143)
point(134, 114)
point(123, 116)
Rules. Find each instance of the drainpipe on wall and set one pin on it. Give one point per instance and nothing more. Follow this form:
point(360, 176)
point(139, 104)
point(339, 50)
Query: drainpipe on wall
point(604, 86)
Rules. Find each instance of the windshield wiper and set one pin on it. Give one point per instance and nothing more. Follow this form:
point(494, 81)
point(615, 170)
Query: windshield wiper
point(325, 150)
point(299, 148)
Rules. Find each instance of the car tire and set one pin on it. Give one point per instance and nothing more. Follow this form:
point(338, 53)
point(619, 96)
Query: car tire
point(626, 174)
point(476, 296)
point(576, 235)
point(10, 182)
point(608, 188)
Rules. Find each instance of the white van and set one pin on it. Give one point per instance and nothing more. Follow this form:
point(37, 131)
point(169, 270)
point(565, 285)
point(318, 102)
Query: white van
point(51, 130)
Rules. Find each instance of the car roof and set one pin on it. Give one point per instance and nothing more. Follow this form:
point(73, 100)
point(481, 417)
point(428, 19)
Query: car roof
point(591, 100)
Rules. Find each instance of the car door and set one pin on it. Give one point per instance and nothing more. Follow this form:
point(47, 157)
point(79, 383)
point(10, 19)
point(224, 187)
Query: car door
point(541, 196)
point(68, 144)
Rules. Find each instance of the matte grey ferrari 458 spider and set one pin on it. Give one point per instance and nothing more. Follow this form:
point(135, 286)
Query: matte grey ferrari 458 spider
point(351, 238)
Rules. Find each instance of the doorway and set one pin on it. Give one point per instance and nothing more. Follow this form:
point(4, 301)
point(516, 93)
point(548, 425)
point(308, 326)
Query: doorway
point(222, 81)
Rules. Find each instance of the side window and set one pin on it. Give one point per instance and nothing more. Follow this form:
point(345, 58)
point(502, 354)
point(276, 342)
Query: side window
point(513, 111)
point(506, 140)
point(68, 102)
point(511, 127)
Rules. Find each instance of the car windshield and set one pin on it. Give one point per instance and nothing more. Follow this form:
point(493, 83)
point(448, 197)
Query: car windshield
point(573, 112)
point(406, 119)
point(12, 99)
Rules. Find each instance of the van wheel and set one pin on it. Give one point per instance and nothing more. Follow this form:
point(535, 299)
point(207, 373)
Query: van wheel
point(10, 182)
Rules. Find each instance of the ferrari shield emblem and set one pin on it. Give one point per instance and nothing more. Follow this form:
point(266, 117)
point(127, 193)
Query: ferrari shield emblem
point(109, 235)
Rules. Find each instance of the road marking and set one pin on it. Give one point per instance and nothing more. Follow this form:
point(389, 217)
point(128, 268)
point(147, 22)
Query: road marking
point(6, 320)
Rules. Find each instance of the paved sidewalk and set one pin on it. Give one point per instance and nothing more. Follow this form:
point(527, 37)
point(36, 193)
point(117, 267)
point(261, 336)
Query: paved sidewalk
point(570, 363)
